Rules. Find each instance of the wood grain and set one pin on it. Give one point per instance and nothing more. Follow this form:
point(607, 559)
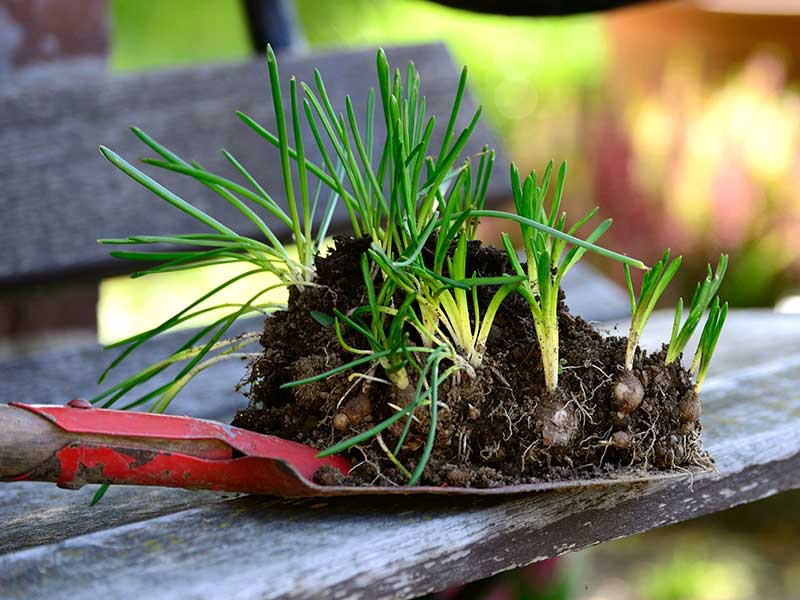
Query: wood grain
point(362, 548)
point(27, 440)
point(60, 195)
point(34, 514)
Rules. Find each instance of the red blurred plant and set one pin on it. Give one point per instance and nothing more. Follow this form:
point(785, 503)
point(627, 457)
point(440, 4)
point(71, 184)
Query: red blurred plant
point(705, 168)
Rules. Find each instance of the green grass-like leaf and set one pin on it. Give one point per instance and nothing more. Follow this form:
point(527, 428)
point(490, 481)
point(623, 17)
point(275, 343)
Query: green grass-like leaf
point(545, 240)
point(703, 296)
point(654, 283)
point(708, 341)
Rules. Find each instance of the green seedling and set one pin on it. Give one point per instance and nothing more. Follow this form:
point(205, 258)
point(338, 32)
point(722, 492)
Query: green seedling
point(653, 285)
point(546, 262)
point(380, 337)
point(469, 330)
point(708, 341)
point(703, 295)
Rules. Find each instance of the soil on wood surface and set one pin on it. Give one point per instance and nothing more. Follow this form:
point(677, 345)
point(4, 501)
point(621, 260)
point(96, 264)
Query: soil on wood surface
point(500, 428)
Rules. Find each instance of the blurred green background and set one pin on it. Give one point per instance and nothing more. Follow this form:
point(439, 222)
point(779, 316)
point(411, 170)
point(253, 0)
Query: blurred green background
point(681, 123)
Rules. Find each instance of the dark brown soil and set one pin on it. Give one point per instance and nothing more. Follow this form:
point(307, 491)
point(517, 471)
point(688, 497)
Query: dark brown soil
point(501, 428)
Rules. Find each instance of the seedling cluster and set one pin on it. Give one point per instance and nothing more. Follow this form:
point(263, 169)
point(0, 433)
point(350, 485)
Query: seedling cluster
point(418, 206)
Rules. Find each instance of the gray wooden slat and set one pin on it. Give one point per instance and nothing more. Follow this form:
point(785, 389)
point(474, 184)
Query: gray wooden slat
point(592, 296)
point(59, 194)
point(56, 377)
point(33, 514)
point(359, 547)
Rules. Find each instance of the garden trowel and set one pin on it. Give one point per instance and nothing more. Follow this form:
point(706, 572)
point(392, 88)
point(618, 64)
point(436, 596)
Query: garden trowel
point(77, 444)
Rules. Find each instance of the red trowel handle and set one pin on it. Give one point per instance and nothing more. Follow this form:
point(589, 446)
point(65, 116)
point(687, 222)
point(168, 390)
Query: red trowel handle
point(77, 444)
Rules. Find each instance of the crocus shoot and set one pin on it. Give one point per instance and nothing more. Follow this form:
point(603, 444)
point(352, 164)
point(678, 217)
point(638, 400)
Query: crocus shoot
point(546, 262)
point(654, 283)
point(703, 295)
point(708, 341)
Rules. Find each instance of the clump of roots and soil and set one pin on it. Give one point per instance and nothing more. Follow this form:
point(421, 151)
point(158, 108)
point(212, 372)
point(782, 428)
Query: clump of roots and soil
point(499, 428)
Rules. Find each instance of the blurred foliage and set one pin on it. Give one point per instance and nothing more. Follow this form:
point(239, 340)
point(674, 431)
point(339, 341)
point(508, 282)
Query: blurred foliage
point(147, 35)
point(705, 166)
point(520, 68)
point(688, 575)
point(680, 567)
point(745, 553)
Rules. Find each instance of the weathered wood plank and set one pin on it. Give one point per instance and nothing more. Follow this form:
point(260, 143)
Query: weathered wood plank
point(33, 514)
point(258, 547)
point(55, 378)
point(59, 195)
point(592, 296)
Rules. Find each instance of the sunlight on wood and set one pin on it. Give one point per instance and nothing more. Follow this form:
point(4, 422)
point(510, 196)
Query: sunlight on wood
point(128, 306)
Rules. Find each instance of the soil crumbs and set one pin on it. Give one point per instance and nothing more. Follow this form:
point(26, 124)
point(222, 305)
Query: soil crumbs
point(498, 429)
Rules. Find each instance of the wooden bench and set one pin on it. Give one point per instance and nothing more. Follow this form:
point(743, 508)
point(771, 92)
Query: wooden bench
point(166, 543)
point(58, 196)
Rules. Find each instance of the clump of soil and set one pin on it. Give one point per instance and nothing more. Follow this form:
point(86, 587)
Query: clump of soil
point(501, 428)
